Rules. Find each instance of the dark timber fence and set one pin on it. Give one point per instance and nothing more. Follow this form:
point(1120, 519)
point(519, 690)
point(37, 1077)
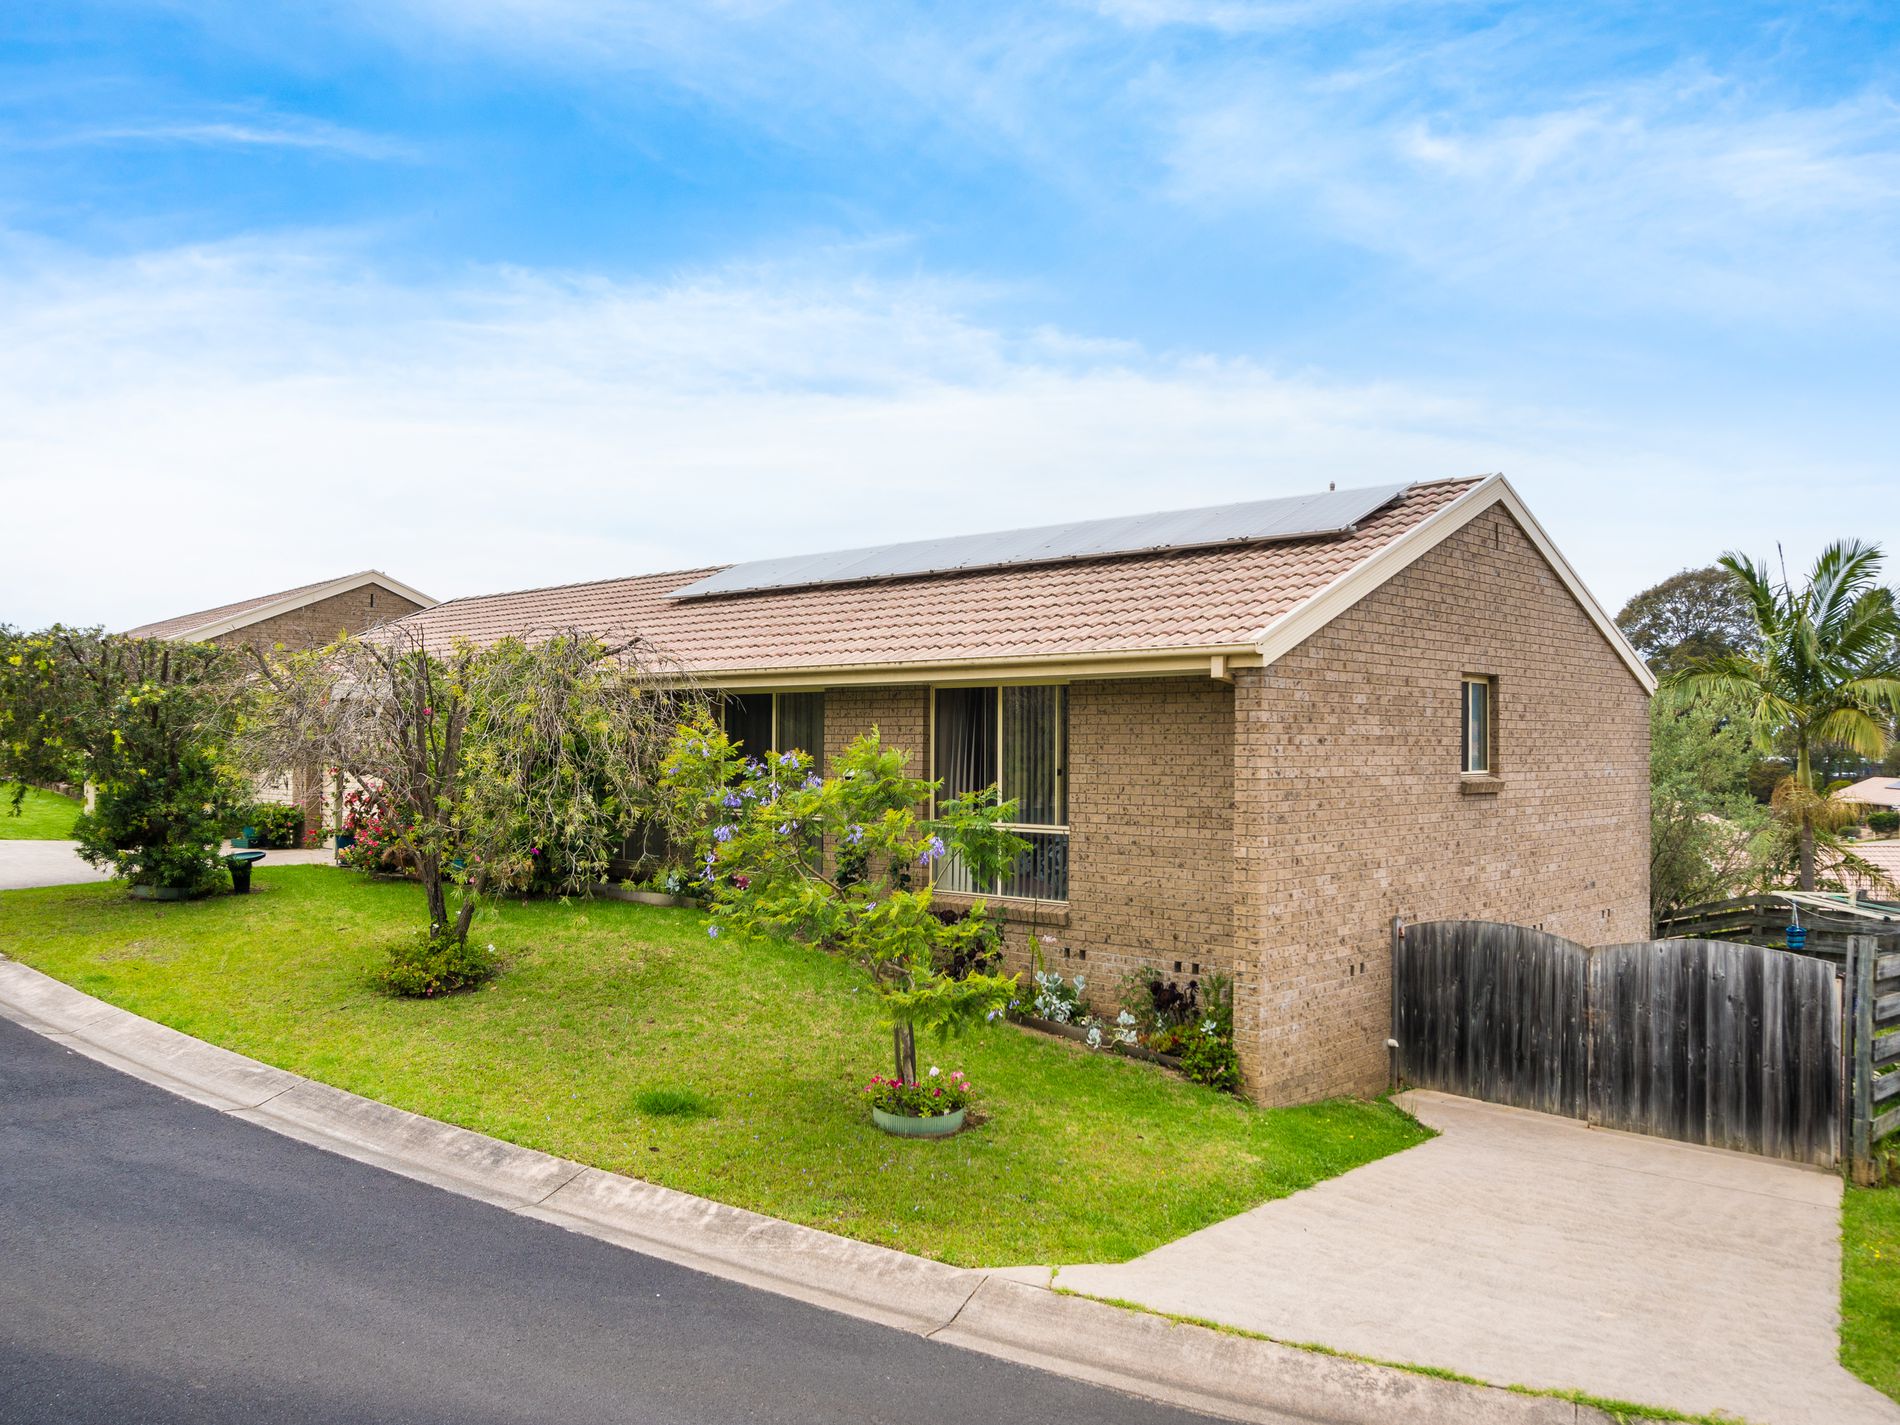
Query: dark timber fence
point(1873, 1019)
point(1709, 1041)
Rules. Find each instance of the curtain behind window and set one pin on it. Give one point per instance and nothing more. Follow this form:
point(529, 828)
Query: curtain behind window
point(966, 740)
point(801, 724)
point(749, 722)
point(1035, 738)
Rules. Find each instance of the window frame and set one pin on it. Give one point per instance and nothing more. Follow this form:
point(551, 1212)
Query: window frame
point(1065, 830)
point(817, 754)
point(1489, 683)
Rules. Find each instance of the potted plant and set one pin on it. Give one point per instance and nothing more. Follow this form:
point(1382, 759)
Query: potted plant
point(931, 1107)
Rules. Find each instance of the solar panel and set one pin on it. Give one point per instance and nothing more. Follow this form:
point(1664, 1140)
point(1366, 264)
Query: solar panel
point(1251, 522)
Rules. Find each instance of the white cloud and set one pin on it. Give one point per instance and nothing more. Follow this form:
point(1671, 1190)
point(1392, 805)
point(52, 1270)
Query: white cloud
point(192, 426)
point(290, 133)
point(1678, 193)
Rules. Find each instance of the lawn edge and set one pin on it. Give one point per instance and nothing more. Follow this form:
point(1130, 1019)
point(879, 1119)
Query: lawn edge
point(1185, 1363)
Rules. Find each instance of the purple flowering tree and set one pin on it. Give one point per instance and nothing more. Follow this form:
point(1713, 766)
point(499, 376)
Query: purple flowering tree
point(843, 863)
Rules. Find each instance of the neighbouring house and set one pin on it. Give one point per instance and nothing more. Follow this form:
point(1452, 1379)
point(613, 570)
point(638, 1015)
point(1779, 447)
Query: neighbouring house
point(308, 616)
point(1877, 793)
point(1242, 739)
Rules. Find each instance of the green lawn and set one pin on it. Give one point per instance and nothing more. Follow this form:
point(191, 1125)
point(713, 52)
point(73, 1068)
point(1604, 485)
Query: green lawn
point(1870, 1286)
point(622, 1036)
point(44, 816)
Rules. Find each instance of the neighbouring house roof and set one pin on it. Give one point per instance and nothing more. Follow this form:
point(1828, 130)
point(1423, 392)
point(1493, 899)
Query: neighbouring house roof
point(1143, 611)
point(1875, 791)
point(225, 618)
point(1883, 856)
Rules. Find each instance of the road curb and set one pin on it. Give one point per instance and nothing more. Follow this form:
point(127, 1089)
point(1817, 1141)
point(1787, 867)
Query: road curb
point(1219, 1373)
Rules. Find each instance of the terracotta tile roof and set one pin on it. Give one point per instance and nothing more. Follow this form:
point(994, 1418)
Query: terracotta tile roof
point(185, 623)
point(1205, 598)
point(1883, 856)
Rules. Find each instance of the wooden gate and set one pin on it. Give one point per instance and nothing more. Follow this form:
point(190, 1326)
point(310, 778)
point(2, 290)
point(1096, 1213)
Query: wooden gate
point(1707, 1041)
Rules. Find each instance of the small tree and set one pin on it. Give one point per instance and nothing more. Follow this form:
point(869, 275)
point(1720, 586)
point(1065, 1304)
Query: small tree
point(1708, 837)
point(1824, 668)
point(842, 862)
point(520, 763)
point(146, 723)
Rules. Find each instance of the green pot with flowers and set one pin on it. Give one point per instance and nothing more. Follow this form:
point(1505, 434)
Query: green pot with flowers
point(933, 1106)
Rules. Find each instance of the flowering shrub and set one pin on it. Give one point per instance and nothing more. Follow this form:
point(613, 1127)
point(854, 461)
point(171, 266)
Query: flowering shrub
point(379, 842)
point(932, 1096)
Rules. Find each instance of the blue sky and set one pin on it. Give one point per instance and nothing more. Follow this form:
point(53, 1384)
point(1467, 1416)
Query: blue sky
point(491, 293)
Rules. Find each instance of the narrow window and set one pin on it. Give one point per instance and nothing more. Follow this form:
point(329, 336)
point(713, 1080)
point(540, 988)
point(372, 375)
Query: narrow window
point(1015, 739)
point(1478, 714)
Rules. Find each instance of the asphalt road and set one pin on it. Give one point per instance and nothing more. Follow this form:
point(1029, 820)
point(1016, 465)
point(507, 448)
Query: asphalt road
point(163, 1262)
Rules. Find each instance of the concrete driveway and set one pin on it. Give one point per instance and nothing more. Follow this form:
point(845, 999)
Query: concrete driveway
point(43, 863)
point(1532, 1250)
point(57, 863)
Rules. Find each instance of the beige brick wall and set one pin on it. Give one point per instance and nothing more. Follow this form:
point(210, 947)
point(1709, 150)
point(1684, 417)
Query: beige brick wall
point(901, 715)
point(1151, 813)
point(1350, 811)
point(316, 624)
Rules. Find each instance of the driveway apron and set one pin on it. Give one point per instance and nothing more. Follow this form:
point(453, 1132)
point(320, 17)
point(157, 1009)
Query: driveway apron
point(1532, 1250)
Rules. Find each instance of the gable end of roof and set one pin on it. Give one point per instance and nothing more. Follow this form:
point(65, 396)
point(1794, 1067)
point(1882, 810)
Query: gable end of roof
point(1301, 622)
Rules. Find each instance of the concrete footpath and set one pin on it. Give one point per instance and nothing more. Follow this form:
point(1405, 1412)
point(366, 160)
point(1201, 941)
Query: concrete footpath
point(994, 1313)
point(1518, 1246)
point(25, 864)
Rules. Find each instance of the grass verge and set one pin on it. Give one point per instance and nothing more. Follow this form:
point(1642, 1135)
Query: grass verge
point(1870, 1286)
point(44, 816)
point(622, 1036)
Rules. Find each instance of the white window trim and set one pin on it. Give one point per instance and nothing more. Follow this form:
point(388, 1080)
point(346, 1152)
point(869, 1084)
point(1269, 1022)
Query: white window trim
point(1490, 685)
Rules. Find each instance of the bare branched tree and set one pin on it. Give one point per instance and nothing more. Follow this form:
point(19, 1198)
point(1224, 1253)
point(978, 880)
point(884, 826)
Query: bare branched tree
point(521, 762)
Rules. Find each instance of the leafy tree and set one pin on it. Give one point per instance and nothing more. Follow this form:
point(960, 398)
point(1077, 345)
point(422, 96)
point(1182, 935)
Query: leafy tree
point(1708, 837)
point(1699, 613)
point(1825, 668)
point(830, 861)
point(499, 767)
point(145, 722)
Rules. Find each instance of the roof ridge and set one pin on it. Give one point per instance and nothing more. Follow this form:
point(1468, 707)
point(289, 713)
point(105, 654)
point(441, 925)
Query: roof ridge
point(577, 584)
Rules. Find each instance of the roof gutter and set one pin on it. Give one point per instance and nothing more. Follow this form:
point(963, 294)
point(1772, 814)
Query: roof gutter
point(1208, 661)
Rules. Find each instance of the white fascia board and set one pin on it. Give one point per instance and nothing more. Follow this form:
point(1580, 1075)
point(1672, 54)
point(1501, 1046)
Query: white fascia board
point(348, 584)
point(1300, 623)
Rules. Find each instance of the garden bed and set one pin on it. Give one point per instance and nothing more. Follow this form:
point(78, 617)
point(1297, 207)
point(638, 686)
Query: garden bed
point(1081, 1035)
point(622, 1036)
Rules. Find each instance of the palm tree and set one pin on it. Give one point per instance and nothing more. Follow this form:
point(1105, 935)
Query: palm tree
point(1826, 670)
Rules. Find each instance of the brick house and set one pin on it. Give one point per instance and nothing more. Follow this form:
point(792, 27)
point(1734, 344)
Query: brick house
point(308, 616)
point(1243, 739)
